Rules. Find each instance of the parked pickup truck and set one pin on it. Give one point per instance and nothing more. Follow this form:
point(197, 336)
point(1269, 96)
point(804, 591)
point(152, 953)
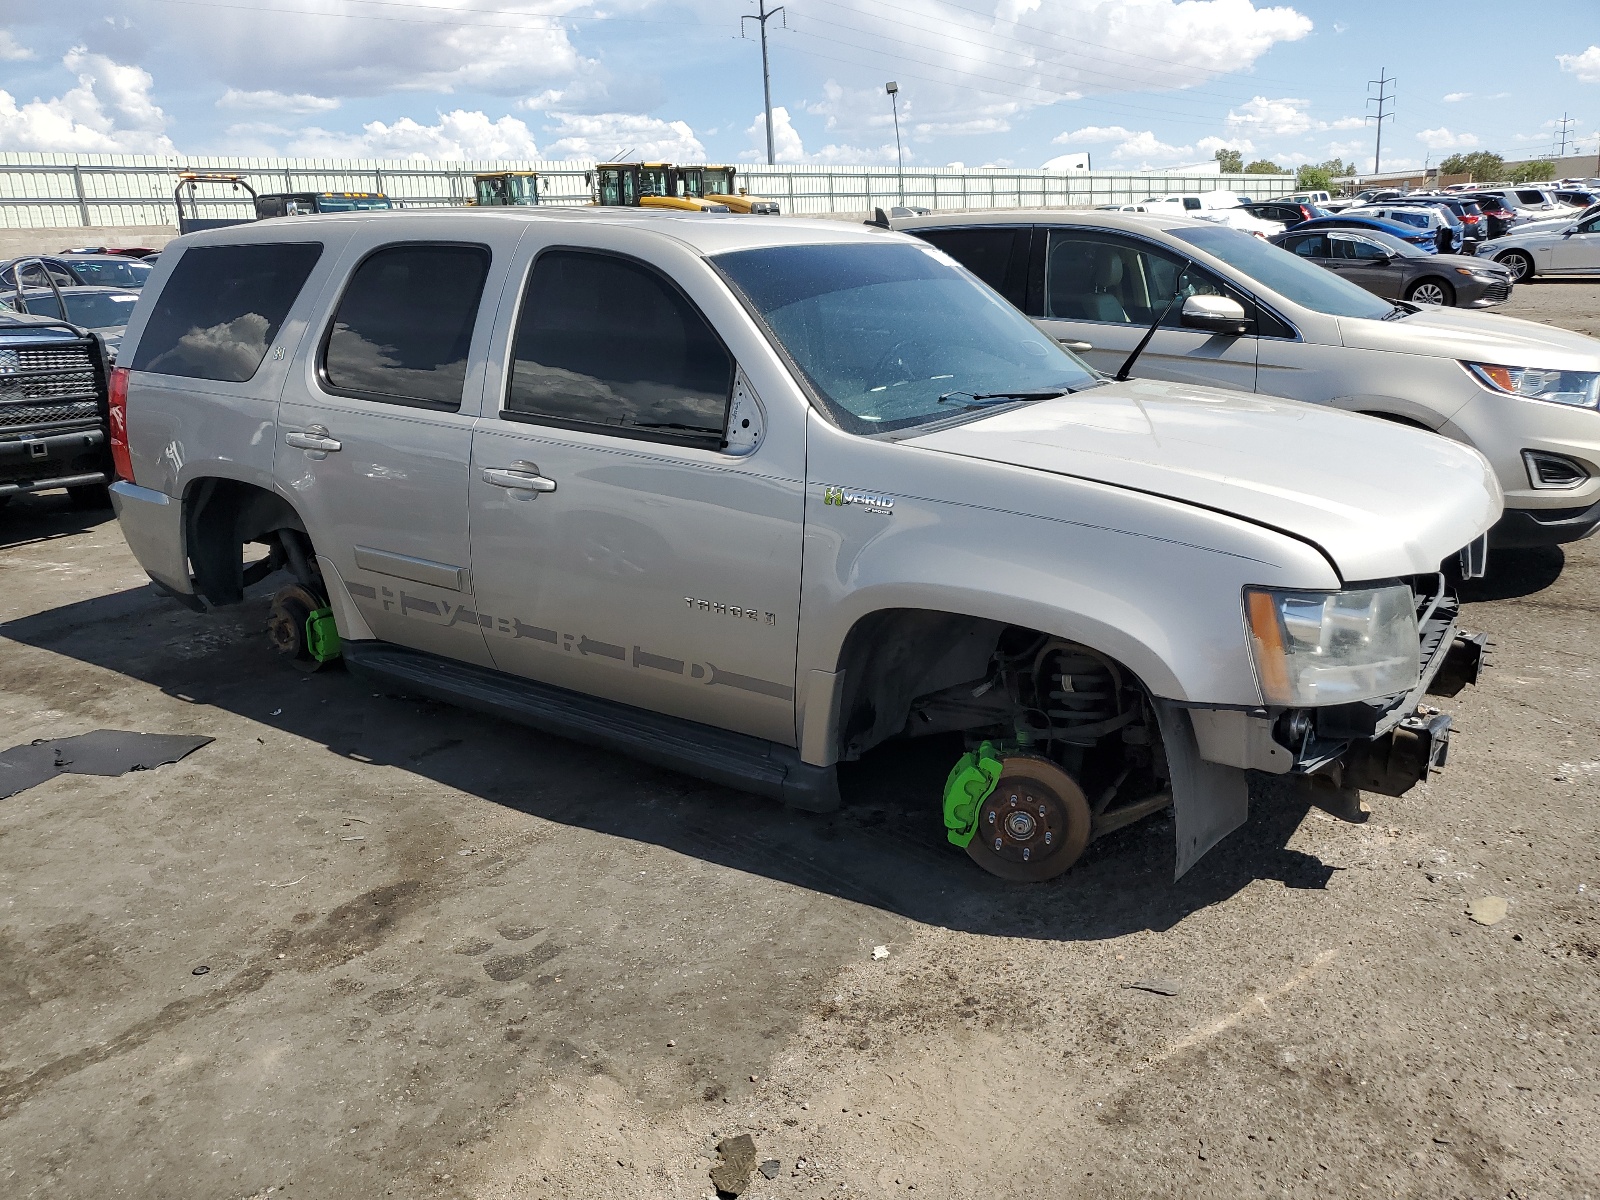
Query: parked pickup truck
point(52, 409)
point(751, 498)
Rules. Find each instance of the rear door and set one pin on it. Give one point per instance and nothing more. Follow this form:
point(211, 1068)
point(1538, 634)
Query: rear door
point(375, 431)
point(1101, 291)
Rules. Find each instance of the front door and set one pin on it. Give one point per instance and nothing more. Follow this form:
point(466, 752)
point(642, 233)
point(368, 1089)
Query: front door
point(620, 546)
point(1103, 290)
point(375, 442)
point(1364, 263)
point(1580, 249)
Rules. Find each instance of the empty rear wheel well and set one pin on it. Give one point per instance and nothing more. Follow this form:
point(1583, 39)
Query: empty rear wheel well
point(222, 517)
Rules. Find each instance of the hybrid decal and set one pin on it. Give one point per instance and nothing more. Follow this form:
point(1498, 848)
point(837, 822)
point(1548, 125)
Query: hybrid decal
point(449, 614)
point(873, 503)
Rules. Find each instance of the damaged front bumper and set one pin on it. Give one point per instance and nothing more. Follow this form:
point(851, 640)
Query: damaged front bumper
point(1387, 745)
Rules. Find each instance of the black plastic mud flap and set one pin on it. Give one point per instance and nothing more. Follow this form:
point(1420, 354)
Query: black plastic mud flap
point(1209, 800)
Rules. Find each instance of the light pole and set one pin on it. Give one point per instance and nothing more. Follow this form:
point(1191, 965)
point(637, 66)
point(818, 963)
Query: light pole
point(761, 16)
point(893, 89)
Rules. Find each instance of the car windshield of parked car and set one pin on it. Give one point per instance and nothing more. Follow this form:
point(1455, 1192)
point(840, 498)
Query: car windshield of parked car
point(112, 272)
point(883, 332)
point(92, 310)
point(1289, 275)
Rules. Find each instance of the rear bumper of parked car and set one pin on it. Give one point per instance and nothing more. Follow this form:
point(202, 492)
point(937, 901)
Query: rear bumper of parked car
point(36, 463)
point(152, 523)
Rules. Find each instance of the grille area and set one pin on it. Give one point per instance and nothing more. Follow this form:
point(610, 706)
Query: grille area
point(50, 373)
point(15, 416)
point(1497, 291)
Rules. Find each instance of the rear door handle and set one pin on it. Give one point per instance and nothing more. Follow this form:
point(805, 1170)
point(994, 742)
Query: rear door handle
point(314, 438)
point(1075, 347)
point(523, 477)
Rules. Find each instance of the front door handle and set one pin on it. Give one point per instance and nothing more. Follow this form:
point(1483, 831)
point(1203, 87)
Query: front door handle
point(522, 476)
point(314, 438)
point(1075, 347)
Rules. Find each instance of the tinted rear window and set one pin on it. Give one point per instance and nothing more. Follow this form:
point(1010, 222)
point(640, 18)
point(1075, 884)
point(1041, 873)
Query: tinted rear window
point(221, 308)
point(986, 251)
point(405, 323)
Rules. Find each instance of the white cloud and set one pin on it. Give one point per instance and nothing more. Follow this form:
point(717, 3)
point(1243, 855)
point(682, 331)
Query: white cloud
point(1457, 97)
point(1585, 66)
point(1092, 134)
point(270, 101)
point(602, 135)
point(109, 110)
point(458, 135)
point(787, 146)
point(1443, 139)
point(1272, 118)
point(1142, 145)
point(12, 50)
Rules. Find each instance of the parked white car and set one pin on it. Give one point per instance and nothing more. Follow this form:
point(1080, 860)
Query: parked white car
point(750, 498)
point(1551, 248)
point(1221, 208)
point(1526, 395)
point(1534, 202)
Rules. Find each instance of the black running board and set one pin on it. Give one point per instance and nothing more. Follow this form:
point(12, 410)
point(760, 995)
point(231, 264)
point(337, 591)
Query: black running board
point(733, 760)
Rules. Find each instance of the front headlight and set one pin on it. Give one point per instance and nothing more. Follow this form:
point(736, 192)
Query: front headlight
point(1580, 389)
point(1316, 648)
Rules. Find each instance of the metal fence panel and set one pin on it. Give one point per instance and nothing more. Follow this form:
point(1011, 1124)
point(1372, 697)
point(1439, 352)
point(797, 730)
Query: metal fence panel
point(58, 190)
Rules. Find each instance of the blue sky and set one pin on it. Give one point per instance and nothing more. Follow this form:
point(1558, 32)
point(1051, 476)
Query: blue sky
point(1136, 83)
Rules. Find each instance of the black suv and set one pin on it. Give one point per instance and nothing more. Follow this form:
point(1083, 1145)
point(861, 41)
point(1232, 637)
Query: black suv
point(53, 411)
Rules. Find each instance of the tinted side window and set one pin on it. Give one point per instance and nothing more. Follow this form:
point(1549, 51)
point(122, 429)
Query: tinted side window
point(1191, 202)
point(1311, 245)
point(989, 252)
point(606, 343)
point(221, 307)
point(1531, 197)
point(404, 325)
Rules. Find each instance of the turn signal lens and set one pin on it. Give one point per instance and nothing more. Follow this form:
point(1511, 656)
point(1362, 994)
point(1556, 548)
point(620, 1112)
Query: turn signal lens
point(1579, 389)
point(1315, 648)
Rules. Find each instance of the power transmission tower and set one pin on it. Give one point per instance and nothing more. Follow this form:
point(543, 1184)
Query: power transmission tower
point(1561, 138)
point(761, 16)
point(1383, 99)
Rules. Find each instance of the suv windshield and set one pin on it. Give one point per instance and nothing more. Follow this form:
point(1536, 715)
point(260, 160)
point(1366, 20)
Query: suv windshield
point(1290, 276)
point(883, 331)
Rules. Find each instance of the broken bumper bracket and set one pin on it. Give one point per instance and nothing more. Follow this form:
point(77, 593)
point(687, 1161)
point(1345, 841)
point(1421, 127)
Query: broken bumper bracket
point(1394, 763)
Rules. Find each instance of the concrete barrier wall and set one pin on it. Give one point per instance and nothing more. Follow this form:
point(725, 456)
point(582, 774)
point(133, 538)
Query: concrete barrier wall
point(123, 191)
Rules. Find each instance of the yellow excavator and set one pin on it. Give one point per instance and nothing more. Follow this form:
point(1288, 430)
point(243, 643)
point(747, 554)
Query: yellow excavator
point(505, 188)
point(716, 183)
point(648, 185)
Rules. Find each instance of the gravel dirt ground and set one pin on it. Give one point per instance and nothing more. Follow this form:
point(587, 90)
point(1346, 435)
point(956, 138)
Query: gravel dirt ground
point(450, 957)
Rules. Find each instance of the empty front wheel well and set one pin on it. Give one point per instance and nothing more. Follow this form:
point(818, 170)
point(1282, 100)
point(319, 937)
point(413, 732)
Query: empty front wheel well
point(222, 517)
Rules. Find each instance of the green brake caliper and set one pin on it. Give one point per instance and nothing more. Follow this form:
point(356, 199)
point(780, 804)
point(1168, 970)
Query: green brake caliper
point(322, 636)
point(971, 781)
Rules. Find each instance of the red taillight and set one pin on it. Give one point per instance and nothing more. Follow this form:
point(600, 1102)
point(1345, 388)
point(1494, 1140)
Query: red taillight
point(120, 458)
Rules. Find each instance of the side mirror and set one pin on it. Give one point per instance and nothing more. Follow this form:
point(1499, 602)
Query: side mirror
point(1215, 314)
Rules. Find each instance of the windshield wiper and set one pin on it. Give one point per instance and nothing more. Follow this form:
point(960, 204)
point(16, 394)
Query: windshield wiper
point(986, 399)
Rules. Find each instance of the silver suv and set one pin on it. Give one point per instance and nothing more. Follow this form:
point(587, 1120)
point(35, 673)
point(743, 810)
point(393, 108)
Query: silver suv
point(750, 498)
point(1526, 395)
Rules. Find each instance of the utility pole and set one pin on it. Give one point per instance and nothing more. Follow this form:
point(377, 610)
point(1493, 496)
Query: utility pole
point(761, 16)
point(1561, 136)
point(893, 89)
point(1383, 99)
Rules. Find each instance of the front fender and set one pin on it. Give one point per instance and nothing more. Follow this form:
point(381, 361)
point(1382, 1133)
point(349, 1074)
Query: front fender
point(1152, 582)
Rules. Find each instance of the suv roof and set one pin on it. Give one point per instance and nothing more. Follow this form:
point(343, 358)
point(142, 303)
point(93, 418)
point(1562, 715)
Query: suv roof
point(708, 233)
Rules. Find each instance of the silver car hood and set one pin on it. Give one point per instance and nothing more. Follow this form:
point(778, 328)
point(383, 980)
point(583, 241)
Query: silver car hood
point(1379, 499)
point(1475, 337)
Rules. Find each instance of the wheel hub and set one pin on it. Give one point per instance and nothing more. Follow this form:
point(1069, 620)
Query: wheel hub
point(1035, 823)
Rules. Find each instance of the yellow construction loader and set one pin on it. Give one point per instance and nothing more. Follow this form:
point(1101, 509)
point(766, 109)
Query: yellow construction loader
point(648, 185)
point(716, 183)
point(505, 188)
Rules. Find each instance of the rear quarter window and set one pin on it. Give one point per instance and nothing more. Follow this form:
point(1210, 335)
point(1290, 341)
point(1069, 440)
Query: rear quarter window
point(221, 308)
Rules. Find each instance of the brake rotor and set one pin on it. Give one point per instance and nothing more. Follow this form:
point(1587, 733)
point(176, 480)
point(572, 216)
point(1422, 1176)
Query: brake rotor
point(1034, 825)
point(292, 607)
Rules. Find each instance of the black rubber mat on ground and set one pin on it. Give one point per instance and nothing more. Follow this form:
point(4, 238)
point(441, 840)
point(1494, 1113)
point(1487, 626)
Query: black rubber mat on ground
point(107, 752)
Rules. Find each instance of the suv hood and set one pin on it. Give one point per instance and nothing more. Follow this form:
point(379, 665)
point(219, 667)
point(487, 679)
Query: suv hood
point(1379, 499)
point(1471, 336)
